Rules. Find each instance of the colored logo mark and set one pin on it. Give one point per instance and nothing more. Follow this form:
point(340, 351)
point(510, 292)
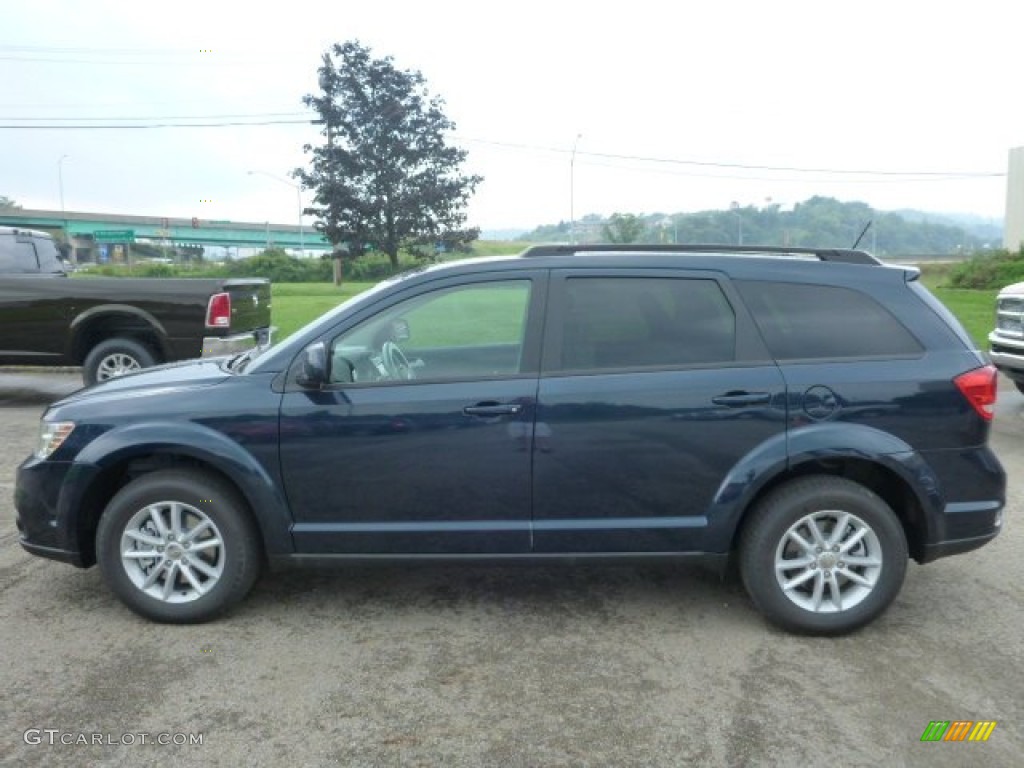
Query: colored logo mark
point(958, 730)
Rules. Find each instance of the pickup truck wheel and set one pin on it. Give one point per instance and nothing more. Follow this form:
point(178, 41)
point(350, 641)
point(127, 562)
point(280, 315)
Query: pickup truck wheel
point(178, 546)
point(822, 555)
point(115, 357)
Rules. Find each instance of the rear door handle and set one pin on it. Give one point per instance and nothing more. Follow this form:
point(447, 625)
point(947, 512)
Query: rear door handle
point(742, 399)
point(492, 409)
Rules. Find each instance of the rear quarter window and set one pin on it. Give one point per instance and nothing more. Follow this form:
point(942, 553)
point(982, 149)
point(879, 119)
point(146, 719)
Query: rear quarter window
point(808, 322)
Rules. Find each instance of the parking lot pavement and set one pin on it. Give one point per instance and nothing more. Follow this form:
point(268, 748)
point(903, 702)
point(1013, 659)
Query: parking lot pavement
point(19, 386)
point(644, 666)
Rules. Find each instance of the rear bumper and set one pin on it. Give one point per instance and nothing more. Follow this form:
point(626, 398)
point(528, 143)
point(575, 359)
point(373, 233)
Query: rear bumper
point(975, 515)
point(983, 520)
point(219, 346)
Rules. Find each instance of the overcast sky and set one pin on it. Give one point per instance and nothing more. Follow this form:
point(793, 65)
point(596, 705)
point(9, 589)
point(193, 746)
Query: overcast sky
point(897, 104)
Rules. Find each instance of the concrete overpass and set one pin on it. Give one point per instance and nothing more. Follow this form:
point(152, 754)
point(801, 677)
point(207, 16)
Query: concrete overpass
point(86, 230)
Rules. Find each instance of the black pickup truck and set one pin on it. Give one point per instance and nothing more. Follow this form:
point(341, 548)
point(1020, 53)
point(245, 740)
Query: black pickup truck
point(111, 326)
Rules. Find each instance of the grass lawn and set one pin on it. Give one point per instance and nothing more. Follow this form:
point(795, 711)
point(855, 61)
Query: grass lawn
point(489, 315)
point(975, 309)
point(295, 304)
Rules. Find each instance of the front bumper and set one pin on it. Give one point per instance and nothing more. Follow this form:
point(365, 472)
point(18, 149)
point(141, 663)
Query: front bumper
point(221, 346)
point(1007, 354)
point(43, 529)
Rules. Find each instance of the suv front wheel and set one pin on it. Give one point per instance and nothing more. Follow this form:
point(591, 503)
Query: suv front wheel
point(178, 546)
point(822, 555)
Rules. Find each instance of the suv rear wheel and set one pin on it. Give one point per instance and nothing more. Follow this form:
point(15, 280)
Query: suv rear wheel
point(178, 546)
point(822, 555)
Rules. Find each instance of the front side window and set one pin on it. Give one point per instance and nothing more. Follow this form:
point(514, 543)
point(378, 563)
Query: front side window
point(466, 332)
point(637, 322)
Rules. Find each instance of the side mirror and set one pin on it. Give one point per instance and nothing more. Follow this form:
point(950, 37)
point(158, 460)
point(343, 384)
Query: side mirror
point(313, 368)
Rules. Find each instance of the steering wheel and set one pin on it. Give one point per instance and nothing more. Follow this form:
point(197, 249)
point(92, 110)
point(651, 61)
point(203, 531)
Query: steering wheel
point(396, 362)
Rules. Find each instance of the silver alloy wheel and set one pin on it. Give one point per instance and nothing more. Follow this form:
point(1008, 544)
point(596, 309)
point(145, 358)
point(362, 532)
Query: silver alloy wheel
point(172, 552)
point(116, 364)
point(828, 561)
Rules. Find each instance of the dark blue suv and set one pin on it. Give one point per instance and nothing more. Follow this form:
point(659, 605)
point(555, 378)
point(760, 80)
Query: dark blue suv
point(816, 414)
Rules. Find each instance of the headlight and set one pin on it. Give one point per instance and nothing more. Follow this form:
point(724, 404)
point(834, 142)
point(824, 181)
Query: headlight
point(52, 434)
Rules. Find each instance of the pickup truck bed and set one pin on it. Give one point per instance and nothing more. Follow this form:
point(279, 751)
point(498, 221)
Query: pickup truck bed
point(114, 325)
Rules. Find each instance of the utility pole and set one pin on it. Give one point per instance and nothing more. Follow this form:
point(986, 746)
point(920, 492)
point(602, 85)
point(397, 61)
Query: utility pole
point(572, 191)
point(298, 195)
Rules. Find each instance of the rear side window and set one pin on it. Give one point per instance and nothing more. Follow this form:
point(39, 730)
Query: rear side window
point(802, 322)
point(635, 322)
point(17, 256)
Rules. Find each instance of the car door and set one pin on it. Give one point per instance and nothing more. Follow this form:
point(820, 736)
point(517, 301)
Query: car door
point(422, 444)
point(654, 387)
point(31, 324)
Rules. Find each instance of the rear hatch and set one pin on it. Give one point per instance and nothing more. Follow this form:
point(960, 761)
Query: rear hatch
point(250, 304)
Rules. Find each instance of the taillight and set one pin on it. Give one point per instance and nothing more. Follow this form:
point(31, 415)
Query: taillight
point(218, 311)
point(979, 387)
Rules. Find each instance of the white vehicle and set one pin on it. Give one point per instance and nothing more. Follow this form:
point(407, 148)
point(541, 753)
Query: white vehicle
point(1006, 342)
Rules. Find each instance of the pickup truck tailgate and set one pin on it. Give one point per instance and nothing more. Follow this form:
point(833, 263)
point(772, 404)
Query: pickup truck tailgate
point(250, 304)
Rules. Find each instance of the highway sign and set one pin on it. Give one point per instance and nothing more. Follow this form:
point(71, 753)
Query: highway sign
point(114, 235)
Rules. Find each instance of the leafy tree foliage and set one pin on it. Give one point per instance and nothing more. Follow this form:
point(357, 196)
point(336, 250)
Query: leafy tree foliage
point(624, 228)
point(385, 178)
point(7, 204)
point(816, 222)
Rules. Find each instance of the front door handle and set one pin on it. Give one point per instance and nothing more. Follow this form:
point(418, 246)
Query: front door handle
point(742, 399)
point(493, 409)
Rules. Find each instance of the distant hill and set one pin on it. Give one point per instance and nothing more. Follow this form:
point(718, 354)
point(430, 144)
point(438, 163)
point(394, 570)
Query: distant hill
point(501, 234)
point(817, 222)
point(984, 227)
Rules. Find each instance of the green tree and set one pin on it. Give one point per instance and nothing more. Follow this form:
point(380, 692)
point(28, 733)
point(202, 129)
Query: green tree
point(7, 204)
point(385, 178)
point(623, 228)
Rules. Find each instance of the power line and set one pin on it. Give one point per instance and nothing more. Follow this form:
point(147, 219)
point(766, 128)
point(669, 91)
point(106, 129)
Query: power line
point(893, 175)
point(201, 60)
point(168, 117)
point(735, 166)
point(728, 174)
point(127, 126)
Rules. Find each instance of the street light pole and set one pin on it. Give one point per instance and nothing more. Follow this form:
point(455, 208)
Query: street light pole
point(572, 191)
point(735, 210)
point(298, 197)
point(60, 182)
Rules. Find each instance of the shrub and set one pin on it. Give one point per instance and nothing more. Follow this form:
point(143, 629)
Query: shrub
point(375, 266)
point(157, 270)
point(990, 270)
point(279, 267)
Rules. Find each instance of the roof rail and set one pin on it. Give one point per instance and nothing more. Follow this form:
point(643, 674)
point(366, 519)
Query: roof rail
point(841, 255)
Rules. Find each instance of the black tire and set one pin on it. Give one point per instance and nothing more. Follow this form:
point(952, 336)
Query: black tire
point(112, 357)
point(766, 540)
point(236, 560)
point(1019, 385)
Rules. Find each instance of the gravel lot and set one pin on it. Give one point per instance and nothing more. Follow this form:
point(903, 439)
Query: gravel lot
point(482, 666)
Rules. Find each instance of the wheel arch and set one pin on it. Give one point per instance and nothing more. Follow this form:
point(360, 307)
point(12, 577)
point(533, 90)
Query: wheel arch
point(877, 460)
point(110, 321)
point(100, 471)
